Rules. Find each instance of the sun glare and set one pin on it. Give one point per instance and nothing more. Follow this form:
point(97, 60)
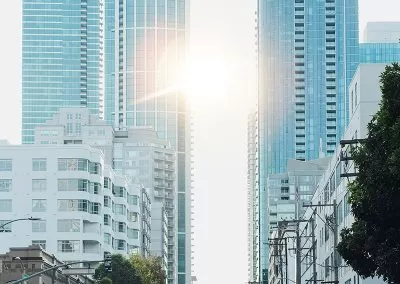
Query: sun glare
point(205, 79)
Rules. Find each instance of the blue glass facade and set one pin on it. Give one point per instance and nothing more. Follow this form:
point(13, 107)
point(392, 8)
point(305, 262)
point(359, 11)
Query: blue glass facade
point(308, 52)
point(145, 42)
point(379, 52)
point(61, 59)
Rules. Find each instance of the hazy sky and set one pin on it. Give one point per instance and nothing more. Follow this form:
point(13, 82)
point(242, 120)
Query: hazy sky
point(222, 30)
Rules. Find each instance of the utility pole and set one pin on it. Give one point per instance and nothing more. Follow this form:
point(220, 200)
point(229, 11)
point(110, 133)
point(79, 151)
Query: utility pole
point(298, 254)
point(335, 243)
point(286, 262)
point(314, 249)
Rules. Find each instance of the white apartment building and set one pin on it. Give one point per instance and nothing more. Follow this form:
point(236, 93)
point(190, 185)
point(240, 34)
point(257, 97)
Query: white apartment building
point(137, 153)
point(86, 209)
point(364, 97)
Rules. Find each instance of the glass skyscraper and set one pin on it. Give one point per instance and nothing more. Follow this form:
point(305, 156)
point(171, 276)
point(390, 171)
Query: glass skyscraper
point(119, 58)
point(145, 45)
point(308, 52)
point(62, 59)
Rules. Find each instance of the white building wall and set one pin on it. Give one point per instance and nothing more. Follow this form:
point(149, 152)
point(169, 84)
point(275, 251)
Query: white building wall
point(333, 188)
point(90, 234)
point(137, 153)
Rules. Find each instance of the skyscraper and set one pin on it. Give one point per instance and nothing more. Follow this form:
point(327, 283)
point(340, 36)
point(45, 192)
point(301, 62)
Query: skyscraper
point(62, 59)
point(145, 45)
point(119, 58)
point(252, 198)
point(308, 52)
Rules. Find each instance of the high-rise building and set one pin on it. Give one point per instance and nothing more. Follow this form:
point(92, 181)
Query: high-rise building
point(137, 153)
point(145, 45)
point(120, 59)
point(62, 59)
point(252, 198)
point(307, 55)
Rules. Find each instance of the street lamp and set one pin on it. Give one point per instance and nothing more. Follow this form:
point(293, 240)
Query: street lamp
point(20, 219)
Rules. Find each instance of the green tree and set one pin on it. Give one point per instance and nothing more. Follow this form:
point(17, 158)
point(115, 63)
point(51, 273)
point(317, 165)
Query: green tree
point(105, 280)
point(150, 269)
point(371, 246)
point(122, 271)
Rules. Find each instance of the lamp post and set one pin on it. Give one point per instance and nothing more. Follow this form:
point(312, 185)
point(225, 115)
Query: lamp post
point(20, 219)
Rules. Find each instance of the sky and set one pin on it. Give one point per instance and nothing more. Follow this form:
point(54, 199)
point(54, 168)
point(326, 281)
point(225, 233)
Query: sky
point(222, 34)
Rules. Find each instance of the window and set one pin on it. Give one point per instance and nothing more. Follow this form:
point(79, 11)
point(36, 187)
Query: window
point(39, 205)
point(69, 128)
point(68, 246)
point(107, 238)
point(107, 220)
point(41, 243)
point(340, 213)
point(5, 205)
point(121, 227)
point(107, 182)
point(346, 205)
point(355, 95)
point(95, 168)
point(132, 216)
point(120, 209)
point(5, 185)
point(6, 228)
point(5, 165)
point(39, 226)
point(69, 225)
point(73, 165)
point(133, 234)
point(73, 185)
point(78, 128)
point(95, 208)
point(39, 185)
point(133, 199)
point(120, 245)
point(120, 191)
point(39, 165)
point(95, 188)
point(107, 201)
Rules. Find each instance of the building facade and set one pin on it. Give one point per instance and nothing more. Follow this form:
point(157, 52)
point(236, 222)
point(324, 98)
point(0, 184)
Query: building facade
point(288, 192)
point(308, 52)
point(252, 199)
point(120, 59)
point(331, 189)
point(137, 153)
point(86, 209)
point(32, 259)
point(62, 60)
point(145, 47)
point(381, 43)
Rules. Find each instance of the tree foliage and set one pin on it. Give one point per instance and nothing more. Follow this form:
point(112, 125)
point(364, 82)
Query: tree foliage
point(371, 246)
point(150, 269)
point(105, 280)
point(122, 272)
